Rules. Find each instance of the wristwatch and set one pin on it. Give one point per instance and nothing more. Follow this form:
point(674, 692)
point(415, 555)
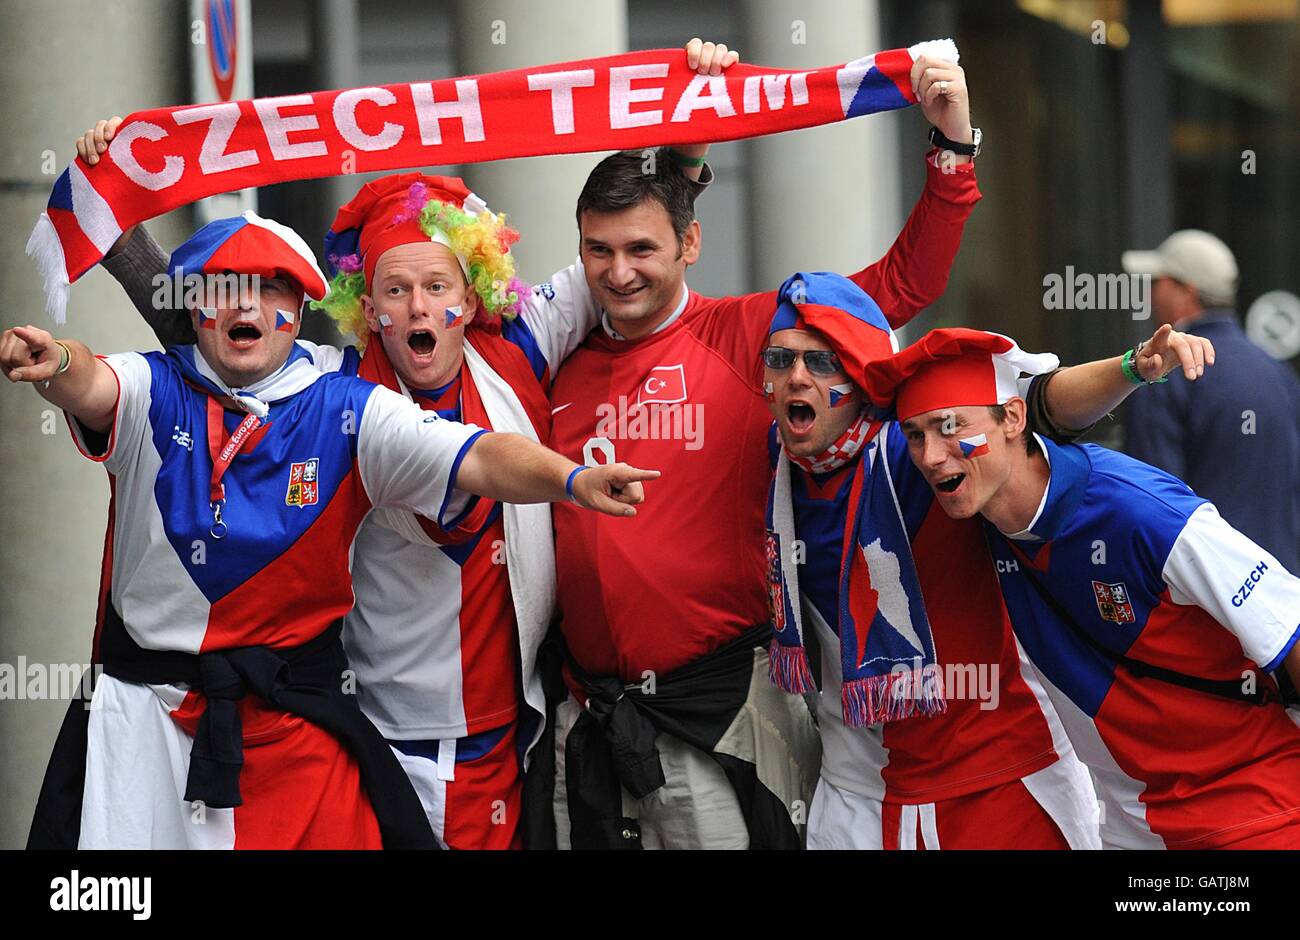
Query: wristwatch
point(966, 150)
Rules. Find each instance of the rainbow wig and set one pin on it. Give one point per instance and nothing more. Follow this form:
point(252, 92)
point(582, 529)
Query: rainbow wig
point(481, 242)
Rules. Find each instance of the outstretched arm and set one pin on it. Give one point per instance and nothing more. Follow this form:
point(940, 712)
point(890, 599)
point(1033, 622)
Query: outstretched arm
point(64, 372)
point(1080, 396)
point(512, 469)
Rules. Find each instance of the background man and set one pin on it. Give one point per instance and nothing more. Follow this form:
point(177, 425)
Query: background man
point(1240, 437)
point(1152, 621)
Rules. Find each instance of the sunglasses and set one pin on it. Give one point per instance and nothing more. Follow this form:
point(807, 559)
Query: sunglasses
point(817, 361)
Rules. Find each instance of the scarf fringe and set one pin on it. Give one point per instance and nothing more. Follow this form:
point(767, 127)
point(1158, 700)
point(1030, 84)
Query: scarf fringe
point(788, 668)
point(46, 250)
point(893, 696)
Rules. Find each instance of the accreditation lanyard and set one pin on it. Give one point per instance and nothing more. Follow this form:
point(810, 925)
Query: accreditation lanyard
point(223, 449)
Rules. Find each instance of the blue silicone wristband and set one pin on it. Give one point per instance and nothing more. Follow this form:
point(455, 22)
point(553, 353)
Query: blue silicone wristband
point(568, 484)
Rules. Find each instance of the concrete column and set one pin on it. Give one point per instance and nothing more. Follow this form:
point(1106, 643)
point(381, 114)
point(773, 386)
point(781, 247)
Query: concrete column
point(537, 193)
point(826, 198)
point(63, 64)
point(336, 50)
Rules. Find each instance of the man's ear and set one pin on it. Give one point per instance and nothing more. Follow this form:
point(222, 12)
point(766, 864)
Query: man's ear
point(692, 241)
point(1015, 424)
point(470, 305)
point(368, 310)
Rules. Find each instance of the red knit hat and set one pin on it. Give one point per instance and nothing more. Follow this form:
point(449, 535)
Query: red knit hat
point(949, 368)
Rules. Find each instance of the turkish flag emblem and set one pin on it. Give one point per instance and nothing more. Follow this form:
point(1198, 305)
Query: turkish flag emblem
point(665, 385)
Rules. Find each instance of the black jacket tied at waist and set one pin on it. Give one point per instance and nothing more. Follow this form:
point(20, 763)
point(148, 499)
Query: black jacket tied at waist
point(304, 681)
point(612, 743)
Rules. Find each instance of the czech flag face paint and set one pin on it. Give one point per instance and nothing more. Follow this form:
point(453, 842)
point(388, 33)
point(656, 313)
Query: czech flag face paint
point(453, 315)
point(976, 446)
point(770, 391)
point(840, 394)
point(386, 322)
point(284, 320)
point(207, 318)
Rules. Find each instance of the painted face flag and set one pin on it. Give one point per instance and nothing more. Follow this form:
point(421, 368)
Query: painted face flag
point(169, 157)
point(976, 446)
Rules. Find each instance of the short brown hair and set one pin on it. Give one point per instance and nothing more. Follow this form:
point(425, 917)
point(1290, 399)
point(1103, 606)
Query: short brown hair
point(999, 414)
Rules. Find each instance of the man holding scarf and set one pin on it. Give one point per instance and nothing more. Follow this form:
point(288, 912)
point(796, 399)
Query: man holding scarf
point(241, 475)
point(1153, 623)
point(935, 733)
point(668, 621)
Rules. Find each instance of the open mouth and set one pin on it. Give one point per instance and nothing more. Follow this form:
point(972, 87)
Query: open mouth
point(244, 335)
point(625, 294)
point(950, 484)
point(421, 343)
point(800, 416)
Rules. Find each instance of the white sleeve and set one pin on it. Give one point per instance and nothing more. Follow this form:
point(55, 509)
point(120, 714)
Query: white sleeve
point(408, 457)
point(560, 313)
point(1238, 583)
point(130, 419)
point(324, 358)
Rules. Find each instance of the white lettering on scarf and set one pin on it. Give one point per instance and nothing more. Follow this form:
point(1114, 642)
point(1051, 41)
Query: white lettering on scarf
point(622, 95)
point(278, 127)
point(465, 107)
point(221, 118)
point(561, 85)
point(345, 119)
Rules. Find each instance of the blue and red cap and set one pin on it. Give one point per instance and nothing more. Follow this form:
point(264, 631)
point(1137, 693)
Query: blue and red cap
point(842, 312)
point(250, 244)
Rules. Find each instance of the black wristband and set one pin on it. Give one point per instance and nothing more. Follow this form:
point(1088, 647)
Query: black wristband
point(966, 150)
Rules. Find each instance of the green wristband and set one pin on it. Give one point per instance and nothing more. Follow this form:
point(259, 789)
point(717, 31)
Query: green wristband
point(684, 161)
point(1130, 373)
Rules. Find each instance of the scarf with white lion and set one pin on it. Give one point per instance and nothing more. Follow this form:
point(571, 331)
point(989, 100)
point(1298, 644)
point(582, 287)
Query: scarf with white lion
point(169, 157)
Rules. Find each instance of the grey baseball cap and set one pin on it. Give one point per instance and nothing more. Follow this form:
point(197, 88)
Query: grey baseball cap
point(1192, 257)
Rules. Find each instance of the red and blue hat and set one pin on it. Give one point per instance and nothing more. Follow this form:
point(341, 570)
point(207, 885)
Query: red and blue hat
point(250, 244)
point(951, 368)
point(842, 312)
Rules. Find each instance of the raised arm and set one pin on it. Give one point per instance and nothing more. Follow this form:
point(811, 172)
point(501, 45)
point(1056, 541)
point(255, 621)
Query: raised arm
point(1079, 396)
point(914, 272)
point(64, 372)
point(136, 261)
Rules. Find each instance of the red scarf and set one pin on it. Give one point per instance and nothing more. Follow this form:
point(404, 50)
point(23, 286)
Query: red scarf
point(169, 157)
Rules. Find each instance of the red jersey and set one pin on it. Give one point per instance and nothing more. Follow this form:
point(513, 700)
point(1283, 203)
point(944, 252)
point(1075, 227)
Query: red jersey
point(686, 575)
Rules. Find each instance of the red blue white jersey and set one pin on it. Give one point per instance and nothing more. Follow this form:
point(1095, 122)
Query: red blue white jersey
point(998, 726)
point(1146, 569)
point(433, 636)
point(664, 588)
point(295, 496)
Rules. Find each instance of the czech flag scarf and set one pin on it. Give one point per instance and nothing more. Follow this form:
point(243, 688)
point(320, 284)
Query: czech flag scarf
point(169, 157)
point(887, 654)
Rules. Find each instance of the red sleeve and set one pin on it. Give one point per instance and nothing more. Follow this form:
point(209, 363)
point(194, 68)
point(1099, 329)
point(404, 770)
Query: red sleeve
point(914, 272)
point(911, 276)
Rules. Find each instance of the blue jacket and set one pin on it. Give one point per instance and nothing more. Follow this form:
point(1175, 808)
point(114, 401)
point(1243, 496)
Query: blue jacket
point(1233, 435)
